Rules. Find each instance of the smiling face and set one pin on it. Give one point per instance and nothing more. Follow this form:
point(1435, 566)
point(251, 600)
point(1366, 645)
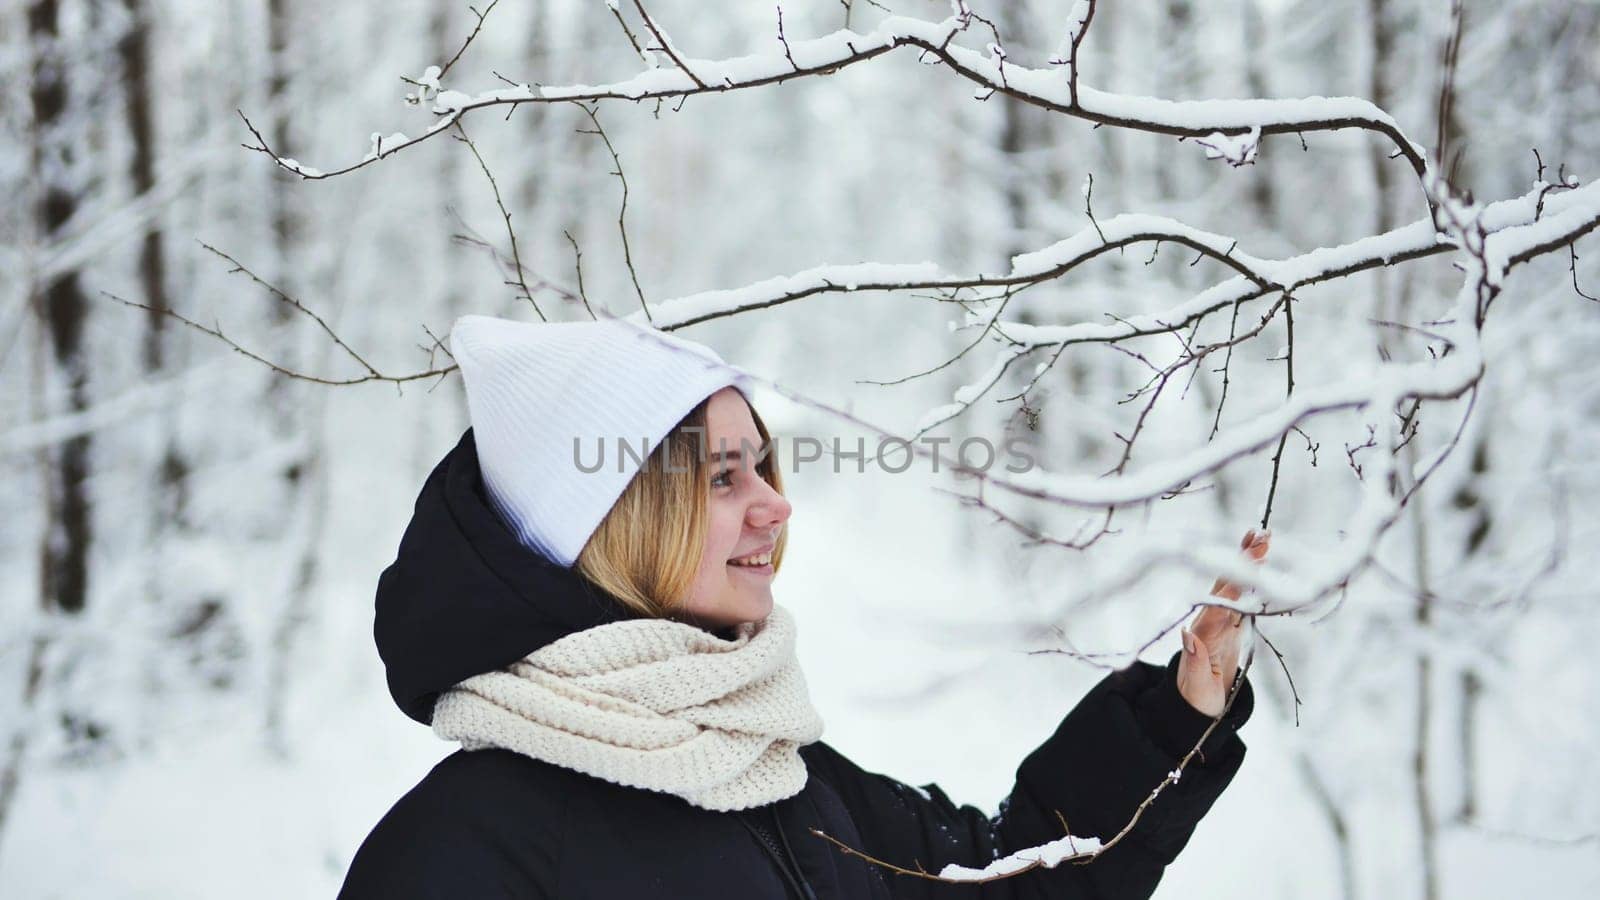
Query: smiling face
point(745, 516)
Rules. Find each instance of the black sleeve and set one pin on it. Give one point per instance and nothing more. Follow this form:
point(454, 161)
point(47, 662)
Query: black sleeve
point(1104, 759)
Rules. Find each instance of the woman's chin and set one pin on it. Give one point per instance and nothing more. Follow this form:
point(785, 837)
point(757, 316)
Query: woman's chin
point(731, 610)
point(762, 606)
point(752, 608)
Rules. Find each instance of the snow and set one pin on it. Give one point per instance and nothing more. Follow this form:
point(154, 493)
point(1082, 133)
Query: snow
point(382, 144)
point(452, 101)
point(1086, 242)
point(668, 314)
point(1234, 149)
point(1047, 855)
point(937, 416)
point(1564, 213)
point(1075, 19)
point(295, 166)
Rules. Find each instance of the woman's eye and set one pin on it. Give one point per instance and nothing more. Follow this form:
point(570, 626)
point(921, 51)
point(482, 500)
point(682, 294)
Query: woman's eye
point(724, 479)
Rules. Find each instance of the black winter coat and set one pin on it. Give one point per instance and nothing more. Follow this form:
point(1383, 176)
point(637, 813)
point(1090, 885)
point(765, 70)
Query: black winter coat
point(463, 597)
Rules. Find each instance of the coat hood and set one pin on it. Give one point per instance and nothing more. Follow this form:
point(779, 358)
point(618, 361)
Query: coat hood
point(463, 597)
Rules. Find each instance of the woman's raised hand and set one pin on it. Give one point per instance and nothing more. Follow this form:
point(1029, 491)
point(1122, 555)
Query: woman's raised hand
point(1210, 658)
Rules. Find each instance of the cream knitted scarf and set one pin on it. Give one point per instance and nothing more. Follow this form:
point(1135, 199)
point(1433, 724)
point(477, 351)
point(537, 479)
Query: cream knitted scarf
point(653, 704)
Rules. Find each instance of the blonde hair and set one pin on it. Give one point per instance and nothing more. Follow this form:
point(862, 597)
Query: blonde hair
point(646, 551)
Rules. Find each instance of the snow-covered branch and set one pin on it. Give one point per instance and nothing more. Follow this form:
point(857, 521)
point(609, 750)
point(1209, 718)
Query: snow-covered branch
point(1576, 209)
point(1029, 268)
point(1234, 122)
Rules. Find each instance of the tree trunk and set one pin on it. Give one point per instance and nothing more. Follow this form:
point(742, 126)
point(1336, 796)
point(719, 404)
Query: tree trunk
point(62, 309)
point(61, 303)
point(284, 406)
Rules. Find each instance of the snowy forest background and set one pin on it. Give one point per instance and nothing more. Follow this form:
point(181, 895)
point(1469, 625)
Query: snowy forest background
point(190, 703)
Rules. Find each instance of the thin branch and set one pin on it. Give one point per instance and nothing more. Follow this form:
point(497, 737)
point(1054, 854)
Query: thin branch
point(516, 256)
point(666, 45)
point(577, 267)
point(785, 40)
point(1032, 536)
point(215, 331)
point(1088, 203)
point(468, 42)
point(989, 327)
point(1227, 364)
point(622, 212)
point(297, 306)
point(536, 282)
point(632, 41)
point(1572, 266)
point(1288, 373)
point(1284, 665)
point(1078, 34)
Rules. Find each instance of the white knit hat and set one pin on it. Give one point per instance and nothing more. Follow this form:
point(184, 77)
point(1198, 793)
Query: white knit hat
point(538, 393)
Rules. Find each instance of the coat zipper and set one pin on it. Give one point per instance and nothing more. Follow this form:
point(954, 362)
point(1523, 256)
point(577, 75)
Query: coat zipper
point(808, 893)
point(794, 879)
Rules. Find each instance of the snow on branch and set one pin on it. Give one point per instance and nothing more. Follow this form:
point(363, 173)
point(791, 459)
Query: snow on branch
point(1028, 268)
point(1078, 19)
point(1576, 209)
point(1047, 855)
point(1234, 149)
point(1238, 124)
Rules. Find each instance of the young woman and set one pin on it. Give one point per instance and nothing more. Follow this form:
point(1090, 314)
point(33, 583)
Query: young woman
point(600, 636)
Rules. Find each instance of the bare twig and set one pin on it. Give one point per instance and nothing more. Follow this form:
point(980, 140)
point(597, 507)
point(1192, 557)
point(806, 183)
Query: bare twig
point(577, 267)
point(1088, 204)
point(616, 11)
point(511, 233)
point(782, 39)
point(1288, 374)
point(666, 44)
point(215, 331)
point(1572, 266)
point(1284, 665)
point(468, 42)
point(622, 212)
point(1227, 364)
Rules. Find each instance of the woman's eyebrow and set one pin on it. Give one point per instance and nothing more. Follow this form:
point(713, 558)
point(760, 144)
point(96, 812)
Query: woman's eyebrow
point(737, 455)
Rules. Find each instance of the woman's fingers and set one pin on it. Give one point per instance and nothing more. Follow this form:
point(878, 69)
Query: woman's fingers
point(1198, 680)
point(1211, 623)
point(1217, 626)
point(1212, 641)
point(1255, 545)
point(1225, 589)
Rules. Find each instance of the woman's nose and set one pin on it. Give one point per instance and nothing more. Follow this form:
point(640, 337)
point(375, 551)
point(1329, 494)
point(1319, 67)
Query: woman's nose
point(770, 510)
